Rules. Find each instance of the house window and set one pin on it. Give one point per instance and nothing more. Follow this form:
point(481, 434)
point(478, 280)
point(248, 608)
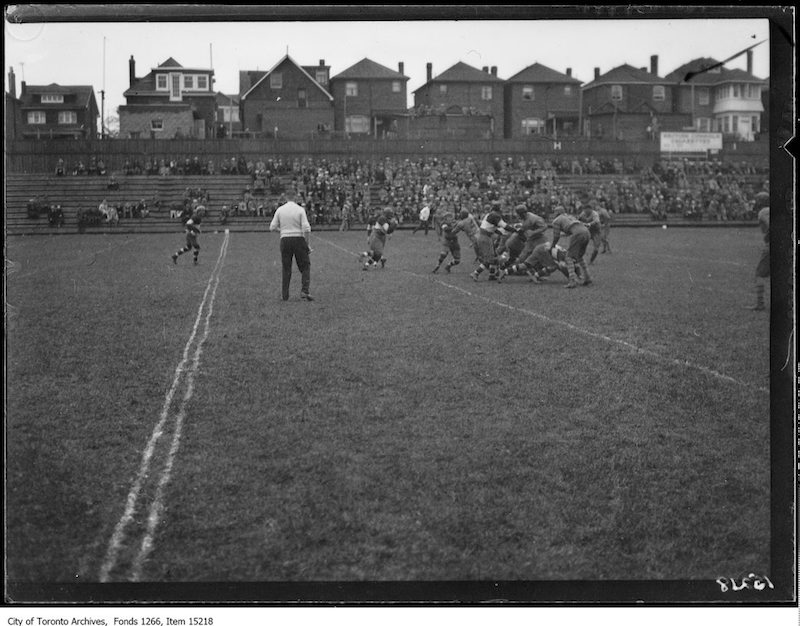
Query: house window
point(230, 114)
point(737, 91)
point(52, 98)
point(351, 89)
point(567, 90)
point(188, 81)
point(527, 92)
point(753, 92)
point(175, 91)
point(658, 92)
point(202, 82)
point(302, 100)
point(754, 124)
point(161, 82)
point(157, 124)
point(532, 126)
point(321, 77)
point(276, 80)
point(443, 89)
point(135, 134)
point(734, 123)
point(486, 92)
point(726, 127)
point(703, 124)
point(357, 124)
point(37, 117)
point(616, 92)
point(396, 86)
point(702, 95)
point(67, 117)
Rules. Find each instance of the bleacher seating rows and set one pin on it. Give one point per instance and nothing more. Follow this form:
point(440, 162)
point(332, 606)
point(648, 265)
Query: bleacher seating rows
point(84, 192)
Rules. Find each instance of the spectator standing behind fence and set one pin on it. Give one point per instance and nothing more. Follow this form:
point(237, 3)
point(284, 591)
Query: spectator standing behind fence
point(291, 221)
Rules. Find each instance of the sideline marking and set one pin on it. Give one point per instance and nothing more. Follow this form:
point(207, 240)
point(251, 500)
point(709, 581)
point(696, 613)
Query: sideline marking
point(630, 346)
point(116, 541)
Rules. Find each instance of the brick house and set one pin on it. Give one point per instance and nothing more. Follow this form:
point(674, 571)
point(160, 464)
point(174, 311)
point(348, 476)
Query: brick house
point(289, 100)
point(718, 99)
point(370, 99)
point(51, 111)
point(462, 101)
point(541, 101)
point(228, 120)
point(170, 101)
point(630, 103)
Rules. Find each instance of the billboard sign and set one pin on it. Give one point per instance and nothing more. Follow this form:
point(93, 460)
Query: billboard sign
point(690, 142)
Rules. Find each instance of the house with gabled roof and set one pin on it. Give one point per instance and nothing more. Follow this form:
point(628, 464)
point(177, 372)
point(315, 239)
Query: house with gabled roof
point(286, 101)
point(371, 100)
point(468, 102)
point(169, 101)
point(719, 99)
point(629, 103)
point(539, 100)
point(51, 111)
point(228, 122)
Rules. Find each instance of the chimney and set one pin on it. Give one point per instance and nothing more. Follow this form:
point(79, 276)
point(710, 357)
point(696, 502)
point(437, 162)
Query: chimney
point(654, 65)
point(400, 67)
point(485, 69)
point(749, 61)
point(494, 71)
point(12, 83)
point(596, 73)
point(429, 70)
point(21, 88)
point(569, 71)
point(322, 62)
point(131, 71)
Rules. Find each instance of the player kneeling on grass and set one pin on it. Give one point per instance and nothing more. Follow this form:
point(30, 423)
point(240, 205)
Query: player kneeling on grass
point(192, 229)
point(546, 259)
point(379, 227)
point(450, 244)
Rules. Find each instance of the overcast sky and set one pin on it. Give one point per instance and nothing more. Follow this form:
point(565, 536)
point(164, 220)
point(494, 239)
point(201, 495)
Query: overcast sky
point(97, 53)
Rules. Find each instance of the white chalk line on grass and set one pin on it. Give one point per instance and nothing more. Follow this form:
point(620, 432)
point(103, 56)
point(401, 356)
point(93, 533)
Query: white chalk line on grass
point(118, 537)
point(606, 338)
point(681, 363)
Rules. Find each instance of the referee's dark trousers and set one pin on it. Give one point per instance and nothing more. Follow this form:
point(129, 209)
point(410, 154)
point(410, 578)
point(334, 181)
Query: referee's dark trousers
point(295, 248)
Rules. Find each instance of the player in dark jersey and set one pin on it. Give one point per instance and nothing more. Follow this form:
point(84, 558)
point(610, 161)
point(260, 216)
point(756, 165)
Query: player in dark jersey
point(450, 244)
point(379, 227)
point(762, 269)
point(591, 218)
point(492, 225)
point(192, 230)
point(531, 231)
point(571, 226)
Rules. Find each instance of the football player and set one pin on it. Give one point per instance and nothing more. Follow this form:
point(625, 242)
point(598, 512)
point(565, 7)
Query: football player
point(379, 227)
point(569, 225)
point(192, 230)
point(450, 244)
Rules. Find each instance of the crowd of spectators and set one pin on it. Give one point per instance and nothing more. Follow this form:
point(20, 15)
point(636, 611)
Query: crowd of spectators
point(345, 189)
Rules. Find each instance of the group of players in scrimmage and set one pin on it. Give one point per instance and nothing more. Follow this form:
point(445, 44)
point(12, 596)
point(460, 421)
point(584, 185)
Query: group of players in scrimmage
point(521, 248)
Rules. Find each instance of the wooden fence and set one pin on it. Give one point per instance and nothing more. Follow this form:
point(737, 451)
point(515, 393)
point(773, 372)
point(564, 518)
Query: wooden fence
point(42, 155)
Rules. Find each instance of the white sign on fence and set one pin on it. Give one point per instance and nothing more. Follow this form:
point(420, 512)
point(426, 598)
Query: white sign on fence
point(690, 142)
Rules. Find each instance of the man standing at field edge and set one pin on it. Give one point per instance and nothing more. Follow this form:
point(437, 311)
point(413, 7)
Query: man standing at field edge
point(762, 269)
point(291, 221)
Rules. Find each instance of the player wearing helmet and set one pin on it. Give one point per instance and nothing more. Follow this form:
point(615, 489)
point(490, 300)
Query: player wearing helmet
point(379, 227)
point(567, 224)
point(450, 244)
point(192, 230)
point(491, 226)
point(531, 231)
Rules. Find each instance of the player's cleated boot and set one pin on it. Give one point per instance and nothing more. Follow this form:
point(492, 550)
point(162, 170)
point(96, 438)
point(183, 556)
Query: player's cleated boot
point(306, 296)
point(474, 276)
point(571, 285)
point(501, 275)
point(587, 282)
point(175, 259)
point(383, 263)
point(447, 268)
point(534, 278)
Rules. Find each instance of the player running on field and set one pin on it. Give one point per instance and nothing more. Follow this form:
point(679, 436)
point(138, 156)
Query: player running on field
point(605, 228)
point(491, 226)
point(569, 225)
point(192, 230)
point(469, 226)
point(379, 227)
point(450, 244)
point(591, 218)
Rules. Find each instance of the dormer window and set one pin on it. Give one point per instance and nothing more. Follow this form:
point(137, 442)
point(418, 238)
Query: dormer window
point(276, 80)
point(658, 92)
point(188, 81)
point(161, 82)
point(202, 82)
point(50, 98)
point(321, 77)
point(616, 92)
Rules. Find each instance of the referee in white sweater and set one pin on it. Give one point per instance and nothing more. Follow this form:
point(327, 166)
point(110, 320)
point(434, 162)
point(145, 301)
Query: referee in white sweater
point(292, 222)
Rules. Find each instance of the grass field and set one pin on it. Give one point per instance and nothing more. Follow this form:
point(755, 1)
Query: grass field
point(182, 423)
